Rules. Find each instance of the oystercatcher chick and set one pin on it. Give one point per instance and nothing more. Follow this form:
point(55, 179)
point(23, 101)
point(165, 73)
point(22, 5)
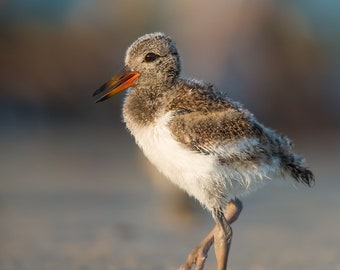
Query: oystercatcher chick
point(205, 143)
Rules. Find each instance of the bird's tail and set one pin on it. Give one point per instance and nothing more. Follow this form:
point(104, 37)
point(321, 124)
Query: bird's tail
point(295, 165)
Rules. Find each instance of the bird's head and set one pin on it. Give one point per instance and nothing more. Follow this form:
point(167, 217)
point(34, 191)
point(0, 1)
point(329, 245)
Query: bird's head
point(151, 61)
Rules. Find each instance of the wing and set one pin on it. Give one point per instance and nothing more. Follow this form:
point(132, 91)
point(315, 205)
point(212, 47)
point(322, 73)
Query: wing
point(233, 135)
point(206, 121)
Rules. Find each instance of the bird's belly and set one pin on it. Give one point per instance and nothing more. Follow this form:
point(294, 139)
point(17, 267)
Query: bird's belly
point(201, 176)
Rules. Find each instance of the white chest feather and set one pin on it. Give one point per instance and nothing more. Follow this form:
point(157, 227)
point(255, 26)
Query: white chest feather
point(199, 175)
point(179, 164)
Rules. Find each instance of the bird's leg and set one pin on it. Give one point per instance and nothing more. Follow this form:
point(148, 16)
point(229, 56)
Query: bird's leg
point(223, 236)
point(199, 254)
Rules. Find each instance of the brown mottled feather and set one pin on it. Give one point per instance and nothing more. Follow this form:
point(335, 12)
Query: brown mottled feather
point(205, 118)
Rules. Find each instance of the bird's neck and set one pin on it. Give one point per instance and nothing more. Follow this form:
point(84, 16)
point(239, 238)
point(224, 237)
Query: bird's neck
point(143, 104)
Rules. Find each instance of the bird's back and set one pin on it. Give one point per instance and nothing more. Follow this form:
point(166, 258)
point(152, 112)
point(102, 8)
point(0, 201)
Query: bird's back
point(207, 121)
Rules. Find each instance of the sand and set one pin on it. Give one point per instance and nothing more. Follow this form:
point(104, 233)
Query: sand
point(74, 197)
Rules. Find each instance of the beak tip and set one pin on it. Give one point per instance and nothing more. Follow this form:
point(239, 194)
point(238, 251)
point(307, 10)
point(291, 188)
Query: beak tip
point(99, 90)
point(105, 97)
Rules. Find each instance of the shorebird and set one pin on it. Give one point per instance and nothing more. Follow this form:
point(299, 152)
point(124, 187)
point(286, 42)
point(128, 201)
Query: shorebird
point(205, 143)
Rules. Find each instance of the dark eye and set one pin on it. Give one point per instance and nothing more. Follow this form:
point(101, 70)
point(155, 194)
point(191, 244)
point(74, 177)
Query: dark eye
point(150, 57)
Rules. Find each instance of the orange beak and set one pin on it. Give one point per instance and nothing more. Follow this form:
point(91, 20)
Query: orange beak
point(123, 80)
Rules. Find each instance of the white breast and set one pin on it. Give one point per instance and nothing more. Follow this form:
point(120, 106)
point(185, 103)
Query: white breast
point(180, 165)
point(199, 175)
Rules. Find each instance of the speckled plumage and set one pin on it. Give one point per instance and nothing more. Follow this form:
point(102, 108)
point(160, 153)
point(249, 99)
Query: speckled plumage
point(202, 122)
point(208, 145)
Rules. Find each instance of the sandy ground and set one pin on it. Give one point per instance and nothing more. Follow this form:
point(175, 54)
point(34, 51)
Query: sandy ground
point(81, 198)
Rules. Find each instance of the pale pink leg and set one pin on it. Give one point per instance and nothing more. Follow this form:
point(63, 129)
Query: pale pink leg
point(220, 235)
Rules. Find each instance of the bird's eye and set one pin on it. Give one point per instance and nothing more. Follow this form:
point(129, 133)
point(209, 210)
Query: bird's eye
point(150, 57)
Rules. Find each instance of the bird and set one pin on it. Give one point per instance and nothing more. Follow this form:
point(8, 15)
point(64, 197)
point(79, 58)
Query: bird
point(204, 142)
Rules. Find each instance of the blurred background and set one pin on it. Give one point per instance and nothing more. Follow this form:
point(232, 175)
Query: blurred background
point(76, 193)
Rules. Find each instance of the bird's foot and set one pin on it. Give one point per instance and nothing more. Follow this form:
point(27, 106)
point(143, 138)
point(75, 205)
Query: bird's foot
point(199, 254)
point(197, 257)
